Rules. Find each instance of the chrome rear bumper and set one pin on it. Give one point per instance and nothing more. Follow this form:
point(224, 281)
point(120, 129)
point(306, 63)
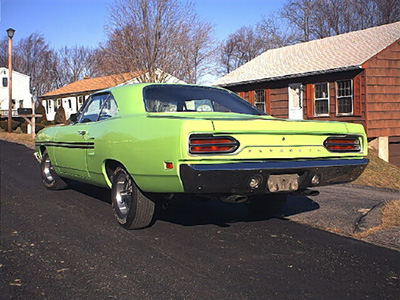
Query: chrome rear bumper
point(235, 178)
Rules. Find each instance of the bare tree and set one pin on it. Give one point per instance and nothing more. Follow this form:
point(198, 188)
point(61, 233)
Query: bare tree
point(156, 38)
point(321, 18)
point(300, 14)
point(75, 62)
point(365, 12)
point(241, 47)
point(199, 52)
point(388, 11)
point(275, 33)
point(34, 57)
point(4, 52)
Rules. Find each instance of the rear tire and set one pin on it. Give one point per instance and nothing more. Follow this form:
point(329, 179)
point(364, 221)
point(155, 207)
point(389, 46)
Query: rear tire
point(50, 178)
point(131, 208)
point(270, 205)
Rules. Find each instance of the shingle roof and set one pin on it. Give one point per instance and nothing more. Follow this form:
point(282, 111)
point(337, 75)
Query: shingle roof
point(340, 52)
point(91, 85)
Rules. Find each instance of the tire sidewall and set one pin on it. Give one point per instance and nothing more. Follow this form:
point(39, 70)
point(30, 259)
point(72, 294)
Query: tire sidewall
point(124, 221)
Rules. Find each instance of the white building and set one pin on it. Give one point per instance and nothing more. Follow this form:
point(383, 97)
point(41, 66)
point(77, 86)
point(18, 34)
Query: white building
point(72, 96)
point(21, 97)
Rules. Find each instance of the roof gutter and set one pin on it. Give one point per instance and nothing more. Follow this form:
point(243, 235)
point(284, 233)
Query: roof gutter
point(65, 95)
point(349, 68)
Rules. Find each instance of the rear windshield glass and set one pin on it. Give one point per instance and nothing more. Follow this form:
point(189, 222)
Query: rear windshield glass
point(170, 98)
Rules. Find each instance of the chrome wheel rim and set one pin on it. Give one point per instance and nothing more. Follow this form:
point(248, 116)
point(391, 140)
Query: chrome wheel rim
point(48, 170)
point(123, 194)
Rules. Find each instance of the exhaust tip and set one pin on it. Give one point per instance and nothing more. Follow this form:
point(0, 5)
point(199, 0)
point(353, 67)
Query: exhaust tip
point(234, 199)
point(310, 193)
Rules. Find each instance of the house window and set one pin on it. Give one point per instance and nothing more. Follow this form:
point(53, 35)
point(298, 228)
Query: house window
point(344, 97)
point(69, 103)
point(259, 100)
point(246, 96)
point(321, 98)
point(5, 81)
point(59, 102)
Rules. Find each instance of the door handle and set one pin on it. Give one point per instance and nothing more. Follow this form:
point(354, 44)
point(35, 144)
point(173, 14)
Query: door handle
point(82, 132)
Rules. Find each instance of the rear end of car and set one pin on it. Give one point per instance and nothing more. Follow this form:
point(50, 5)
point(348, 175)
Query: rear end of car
point(262, 155)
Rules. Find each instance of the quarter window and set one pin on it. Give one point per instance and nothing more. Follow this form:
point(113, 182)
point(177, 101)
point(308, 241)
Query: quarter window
point(321, 98)
point(259, 99)
point(344, 97)
point(99, 107)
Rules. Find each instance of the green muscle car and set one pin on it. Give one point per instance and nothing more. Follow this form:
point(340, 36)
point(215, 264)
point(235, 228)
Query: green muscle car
point(147, 142)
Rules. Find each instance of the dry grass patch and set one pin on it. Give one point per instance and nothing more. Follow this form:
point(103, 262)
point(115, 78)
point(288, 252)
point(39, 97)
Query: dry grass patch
point(391, 214)
point(20, 138)
point(379, 173)
point(390, 218)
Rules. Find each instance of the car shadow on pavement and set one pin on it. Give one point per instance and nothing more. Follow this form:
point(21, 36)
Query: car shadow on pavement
point(96, 192)
point(192, 211)
point(299, 204)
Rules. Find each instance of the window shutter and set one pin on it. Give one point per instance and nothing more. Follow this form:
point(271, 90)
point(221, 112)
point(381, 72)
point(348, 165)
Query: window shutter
point(267, 97)
point(310, 100)
point(241, 94)
point(357, 107)
point(333, 98)
point(251, 97)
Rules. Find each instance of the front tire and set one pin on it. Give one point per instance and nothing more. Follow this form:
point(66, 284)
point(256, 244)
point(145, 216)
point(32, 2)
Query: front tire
point(270, 205)
point(50, 178)
point(131, 208)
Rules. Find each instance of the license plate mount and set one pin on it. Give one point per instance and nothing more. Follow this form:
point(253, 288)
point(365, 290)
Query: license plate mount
point(283, 183)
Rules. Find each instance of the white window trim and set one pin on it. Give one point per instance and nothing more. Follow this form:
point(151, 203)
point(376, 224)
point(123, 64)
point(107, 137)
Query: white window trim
point(337, 98)
point(263, 102)
point(319, 99)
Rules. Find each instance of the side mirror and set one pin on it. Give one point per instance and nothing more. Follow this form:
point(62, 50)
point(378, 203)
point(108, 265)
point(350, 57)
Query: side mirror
point(73, 118)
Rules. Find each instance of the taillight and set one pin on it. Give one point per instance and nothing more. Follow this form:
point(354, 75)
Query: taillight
point(202, 144)
point(343, 144)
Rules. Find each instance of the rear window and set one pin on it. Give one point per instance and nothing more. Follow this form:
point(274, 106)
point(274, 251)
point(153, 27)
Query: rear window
point(171, 98)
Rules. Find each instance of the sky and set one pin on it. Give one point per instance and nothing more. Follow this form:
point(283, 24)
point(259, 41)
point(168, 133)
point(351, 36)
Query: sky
point(81, 22)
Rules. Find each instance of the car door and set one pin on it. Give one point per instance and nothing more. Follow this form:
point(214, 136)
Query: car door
point(74, 142)
point(101, 133)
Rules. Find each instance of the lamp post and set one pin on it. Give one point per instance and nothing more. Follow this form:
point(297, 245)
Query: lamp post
point(10, 33)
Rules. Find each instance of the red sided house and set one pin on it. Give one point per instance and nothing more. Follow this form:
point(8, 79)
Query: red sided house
point(352, 77)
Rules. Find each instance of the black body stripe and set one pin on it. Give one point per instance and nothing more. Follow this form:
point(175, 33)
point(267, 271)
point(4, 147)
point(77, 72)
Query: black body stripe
point(76, 145)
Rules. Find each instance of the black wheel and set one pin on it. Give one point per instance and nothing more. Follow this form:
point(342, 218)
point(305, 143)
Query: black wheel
point(131, 208)
point(50, 178)
point(270, 205)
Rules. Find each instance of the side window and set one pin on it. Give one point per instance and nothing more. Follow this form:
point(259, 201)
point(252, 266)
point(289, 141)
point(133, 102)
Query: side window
point(99, 107)
point(91, 110)
point(109, 108)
